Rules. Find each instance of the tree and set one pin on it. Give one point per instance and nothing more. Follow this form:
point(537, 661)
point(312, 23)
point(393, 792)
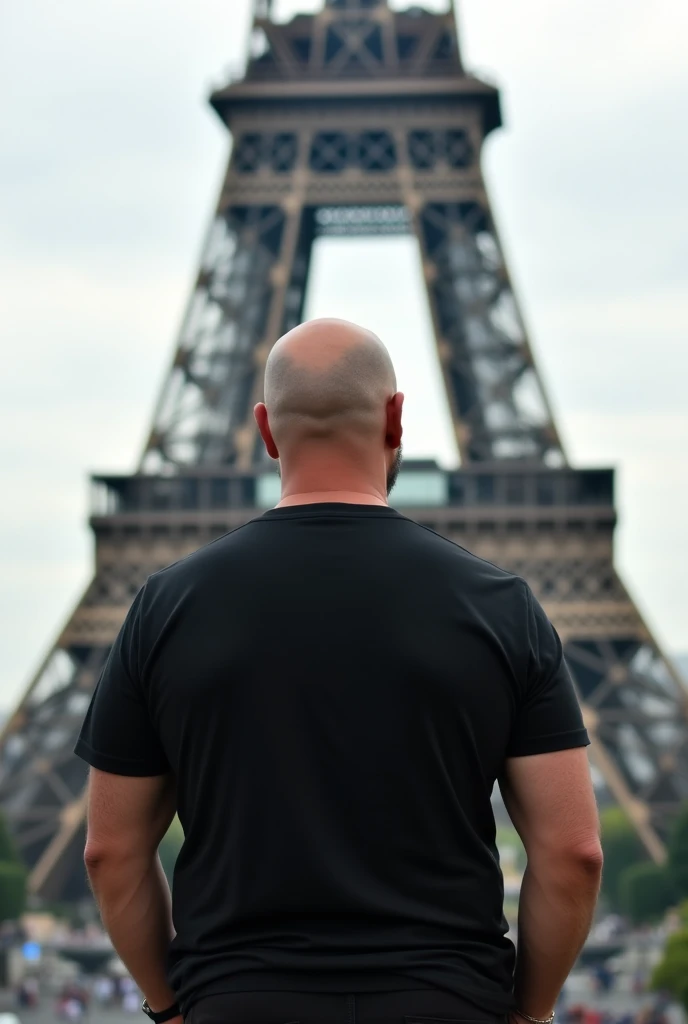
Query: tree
point(509, 839)
point(671, 973)
point(683, 914)
point(646, 891)
point(12, 890)
point(622, 849)
point(12, 877)
point(8, 850)
point(170, 847)
point(678, 853)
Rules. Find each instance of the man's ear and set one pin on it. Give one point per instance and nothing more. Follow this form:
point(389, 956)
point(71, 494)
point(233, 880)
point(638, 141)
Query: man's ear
point(394, 431)
point(261, 415)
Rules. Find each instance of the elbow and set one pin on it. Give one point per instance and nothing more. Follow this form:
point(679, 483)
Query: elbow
point(116, 856)
point(590, 857)
point(96, 857)
point(93, 858)
point(570, 865)
point(585, 861)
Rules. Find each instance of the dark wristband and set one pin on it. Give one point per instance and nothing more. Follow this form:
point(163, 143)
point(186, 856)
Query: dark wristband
point(160, 1018)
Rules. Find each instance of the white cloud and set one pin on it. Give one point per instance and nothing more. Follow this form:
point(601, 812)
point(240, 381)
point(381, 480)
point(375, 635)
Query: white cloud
point(109, 166)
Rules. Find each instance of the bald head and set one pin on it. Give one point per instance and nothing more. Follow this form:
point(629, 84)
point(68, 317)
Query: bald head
point(327, 377)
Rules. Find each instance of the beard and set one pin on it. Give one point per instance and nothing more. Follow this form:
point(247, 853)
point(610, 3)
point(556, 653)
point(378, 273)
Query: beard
point(394, 470)
point(392, 476)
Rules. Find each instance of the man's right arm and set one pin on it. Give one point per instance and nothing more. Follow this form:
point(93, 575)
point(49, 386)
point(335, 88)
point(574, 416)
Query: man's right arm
point(551, 802)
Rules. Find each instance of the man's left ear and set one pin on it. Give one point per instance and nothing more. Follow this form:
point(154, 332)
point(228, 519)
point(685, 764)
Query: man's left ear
point(395, 430)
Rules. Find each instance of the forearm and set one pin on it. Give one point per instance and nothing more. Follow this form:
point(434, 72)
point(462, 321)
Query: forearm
point(556, 908)
point(135, 906)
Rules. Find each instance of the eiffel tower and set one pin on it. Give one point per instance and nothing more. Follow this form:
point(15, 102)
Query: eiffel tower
point(356, 121)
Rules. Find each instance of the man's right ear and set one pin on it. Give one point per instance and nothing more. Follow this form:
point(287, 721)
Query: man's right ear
point(261, 414)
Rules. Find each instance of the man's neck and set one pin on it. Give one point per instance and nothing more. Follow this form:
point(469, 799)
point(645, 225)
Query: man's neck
point(368, 497)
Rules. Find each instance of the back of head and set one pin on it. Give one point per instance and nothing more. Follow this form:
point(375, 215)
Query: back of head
point(328, 381)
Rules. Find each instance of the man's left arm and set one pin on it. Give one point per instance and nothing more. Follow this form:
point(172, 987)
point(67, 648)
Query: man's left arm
point(127, 818)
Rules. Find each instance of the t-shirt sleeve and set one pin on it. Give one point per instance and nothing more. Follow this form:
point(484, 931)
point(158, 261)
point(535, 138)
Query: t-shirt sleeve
point(548, 716)
point(118, 735)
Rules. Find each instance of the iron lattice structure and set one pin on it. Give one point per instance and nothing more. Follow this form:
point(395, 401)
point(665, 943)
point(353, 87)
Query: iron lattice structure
point(357, 120)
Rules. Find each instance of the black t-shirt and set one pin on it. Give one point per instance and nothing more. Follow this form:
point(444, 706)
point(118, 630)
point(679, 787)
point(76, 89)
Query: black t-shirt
point(335, 689)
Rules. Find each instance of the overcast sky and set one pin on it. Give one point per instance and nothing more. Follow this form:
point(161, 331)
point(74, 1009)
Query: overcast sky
point(110, 162)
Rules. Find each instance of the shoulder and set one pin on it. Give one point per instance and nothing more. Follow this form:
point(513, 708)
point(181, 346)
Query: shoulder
point(200, 563)
point(455, 558)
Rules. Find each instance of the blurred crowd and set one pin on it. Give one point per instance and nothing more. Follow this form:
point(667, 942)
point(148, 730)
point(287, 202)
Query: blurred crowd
point(76, 998)
point(658, 1013)
point(598, 998)
point(614, 989)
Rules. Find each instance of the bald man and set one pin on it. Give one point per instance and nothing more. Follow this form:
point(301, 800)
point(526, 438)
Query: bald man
point(326, 697)
point(332, 415)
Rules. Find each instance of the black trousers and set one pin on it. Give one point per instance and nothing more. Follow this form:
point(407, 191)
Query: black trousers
point(416, 1006)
